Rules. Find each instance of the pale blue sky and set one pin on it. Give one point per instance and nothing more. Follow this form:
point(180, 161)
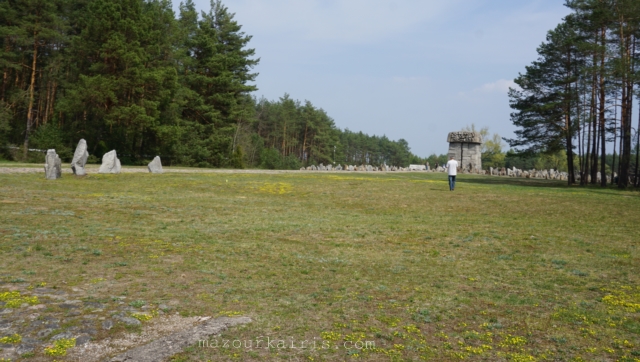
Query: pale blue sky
point(412, 69)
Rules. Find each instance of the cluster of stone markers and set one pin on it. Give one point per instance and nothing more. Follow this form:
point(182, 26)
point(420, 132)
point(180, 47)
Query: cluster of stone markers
point(368, 168)
point(542, 174)
point(385, 168)
point(110, 162)
point(510, 172)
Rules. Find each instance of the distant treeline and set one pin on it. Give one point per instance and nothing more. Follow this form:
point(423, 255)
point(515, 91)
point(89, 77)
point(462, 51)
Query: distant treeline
point(578, 96)
point(130, 75)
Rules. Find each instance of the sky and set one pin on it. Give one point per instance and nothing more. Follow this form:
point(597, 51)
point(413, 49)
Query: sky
point(412, 69)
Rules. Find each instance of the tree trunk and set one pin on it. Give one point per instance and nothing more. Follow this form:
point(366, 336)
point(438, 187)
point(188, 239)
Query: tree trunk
point(635, 180)
point(623, 118)
point(571, 179)
point(584, 179)
point(615, 137)
point(594, 145)
point(593, 167)
point(581, 137)
point(284, 137)
point(304, 142)
point(31, 97)
point(4, 83)
point(627, 99)
point(45, 116)
point(38, 115)
point(603, 146)
point(53, 99)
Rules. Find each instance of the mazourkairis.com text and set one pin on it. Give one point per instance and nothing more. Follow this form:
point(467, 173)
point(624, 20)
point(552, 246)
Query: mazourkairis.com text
point(269, 343)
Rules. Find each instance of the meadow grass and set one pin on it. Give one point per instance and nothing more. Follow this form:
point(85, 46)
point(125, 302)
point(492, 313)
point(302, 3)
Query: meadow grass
point(500, 269)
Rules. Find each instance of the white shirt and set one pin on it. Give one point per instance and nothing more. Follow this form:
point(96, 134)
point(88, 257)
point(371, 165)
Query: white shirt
point(452, 166)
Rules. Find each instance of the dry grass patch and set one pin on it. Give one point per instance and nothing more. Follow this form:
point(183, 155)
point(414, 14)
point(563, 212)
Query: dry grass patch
point(500, 269)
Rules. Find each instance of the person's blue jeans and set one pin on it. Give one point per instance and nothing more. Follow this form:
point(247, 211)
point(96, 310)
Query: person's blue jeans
point(452, 183)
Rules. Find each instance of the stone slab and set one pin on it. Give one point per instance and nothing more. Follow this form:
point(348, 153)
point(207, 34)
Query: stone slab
point(464, 137)
point(162, 349)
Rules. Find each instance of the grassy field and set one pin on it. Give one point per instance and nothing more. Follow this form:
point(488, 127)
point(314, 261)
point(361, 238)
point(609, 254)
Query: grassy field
point(500, 269)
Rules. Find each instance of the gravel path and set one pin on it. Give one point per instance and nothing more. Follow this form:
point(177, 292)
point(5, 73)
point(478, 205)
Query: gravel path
point(93, 169)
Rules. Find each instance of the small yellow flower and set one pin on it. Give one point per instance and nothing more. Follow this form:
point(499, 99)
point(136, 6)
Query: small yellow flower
point(60, 347)
point(14, 339)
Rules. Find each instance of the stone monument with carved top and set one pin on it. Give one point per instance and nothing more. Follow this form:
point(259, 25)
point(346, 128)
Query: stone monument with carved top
point(466, 148)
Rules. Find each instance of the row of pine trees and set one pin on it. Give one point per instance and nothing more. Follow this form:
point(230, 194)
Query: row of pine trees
point(577, 97)
point(132, 75)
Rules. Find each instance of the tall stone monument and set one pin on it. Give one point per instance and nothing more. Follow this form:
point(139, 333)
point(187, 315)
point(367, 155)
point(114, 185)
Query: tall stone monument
point(155, 166)
point(465, 147)
point(53, 165)
point(110, 163)
point(80, 158)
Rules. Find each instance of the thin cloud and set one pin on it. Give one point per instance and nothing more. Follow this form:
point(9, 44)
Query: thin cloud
point(501, 86)
point(341, 21)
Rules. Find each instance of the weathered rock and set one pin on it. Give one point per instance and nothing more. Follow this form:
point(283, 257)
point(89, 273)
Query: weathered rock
point(110, 163)
point(130, 321)
point(93, 305)
point(68, 305)
point(63, 335)
point(162, 349)
point(82, 339)
point(44, 332)
point(24, 348)
point(155, 166)
point(107, 324)
point(53, 165)
point(80, 158)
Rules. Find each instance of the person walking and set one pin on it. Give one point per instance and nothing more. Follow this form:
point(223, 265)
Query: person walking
point(452, 167)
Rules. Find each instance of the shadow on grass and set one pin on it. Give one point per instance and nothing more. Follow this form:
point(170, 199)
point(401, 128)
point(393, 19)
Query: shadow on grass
point(511, 181)
point(528, 182)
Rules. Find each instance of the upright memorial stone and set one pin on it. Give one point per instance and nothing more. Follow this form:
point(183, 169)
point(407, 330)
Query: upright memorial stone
point(110, 163)
point(466, 148)
point(155, 166)
point(80, 158)
point(52, 166)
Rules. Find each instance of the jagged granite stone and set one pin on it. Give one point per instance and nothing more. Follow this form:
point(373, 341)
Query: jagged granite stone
point(155, 166)
point(80, 158)
point(53, 165)
point(110, 163)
